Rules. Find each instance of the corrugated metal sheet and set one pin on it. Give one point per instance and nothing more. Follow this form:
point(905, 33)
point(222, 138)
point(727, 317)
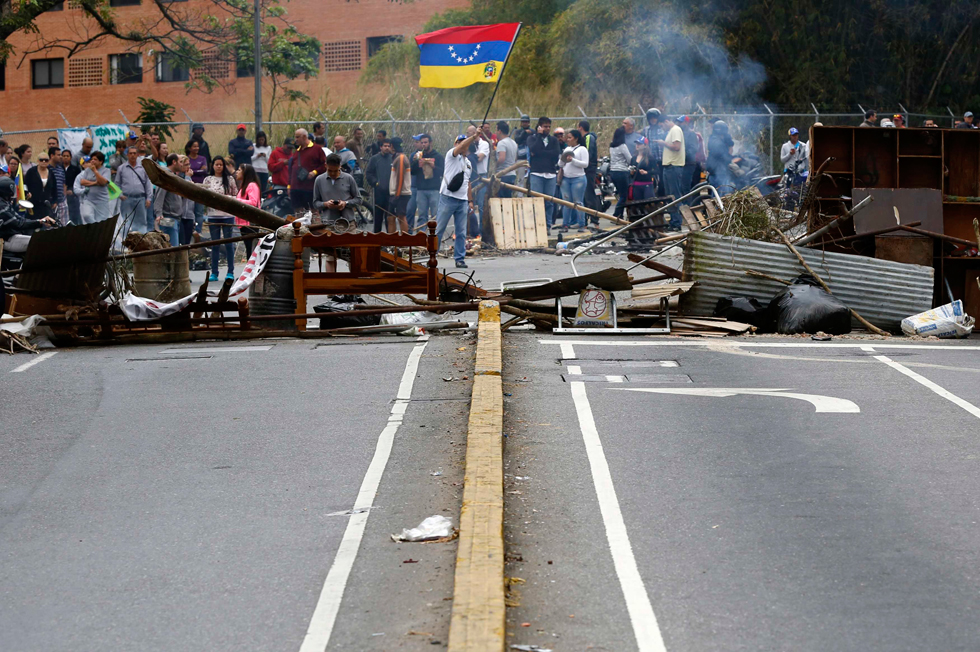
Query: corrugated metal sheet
point(883, 292)
point(70, 261)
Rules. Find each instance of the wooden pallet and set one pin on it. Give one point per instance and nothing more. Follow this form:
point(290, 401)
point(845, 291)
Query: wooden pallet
point(519, 223)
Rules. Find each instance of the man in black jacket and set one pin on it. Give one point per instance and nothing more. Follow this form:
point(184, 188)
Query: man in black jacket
point(543, 151)
point(427, 168)
point(378, 176)
point(592, 145)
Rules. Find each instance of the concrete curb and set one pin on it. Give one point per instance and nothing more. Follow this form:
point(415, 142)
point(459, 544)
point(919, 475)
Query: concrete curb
point(479, 613)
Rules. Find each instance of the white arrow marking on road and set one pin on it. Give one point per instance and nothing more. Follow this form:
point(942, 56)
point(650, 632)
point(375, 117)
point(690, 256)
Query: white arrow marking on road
point(820, 402)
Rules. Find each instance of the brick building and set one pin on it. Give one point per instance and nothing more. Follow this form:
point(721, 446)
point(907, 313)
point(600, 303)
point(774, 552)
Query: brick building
point(92, 86)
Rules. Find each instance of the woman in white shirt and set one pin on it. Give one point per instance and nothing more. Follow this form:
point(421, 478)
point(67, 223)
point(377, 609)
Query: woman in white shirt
point(619, 169)
point(221, 224)
point(260, 159)
point(574, 160)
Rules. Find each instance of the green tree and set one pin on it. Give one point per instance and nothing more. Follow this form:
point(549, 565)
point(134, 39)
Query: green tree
point(155, 111)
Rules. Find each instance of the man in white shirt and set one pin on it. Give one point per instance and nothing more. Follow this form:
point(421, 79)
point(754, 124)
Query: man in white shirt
point(795, 157)
point(455, 195)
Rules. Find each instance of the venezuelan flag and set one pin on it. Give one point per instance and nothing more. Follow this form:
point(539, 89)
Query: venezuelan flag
point(460, 56)
point(20, 194)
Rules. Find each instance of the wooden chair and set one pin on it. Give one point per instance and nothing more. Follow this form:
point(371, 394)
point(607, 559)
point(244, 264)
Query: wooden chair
point(365, 275)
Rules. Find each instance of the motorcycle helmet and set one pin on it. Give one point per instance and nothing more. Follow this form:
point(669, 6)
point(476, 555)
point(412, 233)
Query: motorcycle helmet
point(653, 113)
point(7, 188)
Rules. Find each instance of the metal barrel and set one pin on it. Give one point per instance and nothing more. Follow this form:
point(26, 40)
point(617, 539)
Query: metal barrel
point(272, 291)
point(164, 277)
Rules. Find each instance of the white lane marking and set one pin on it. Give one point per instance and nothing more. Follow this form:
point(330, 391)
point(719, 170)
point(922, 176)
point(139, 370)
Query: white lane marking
point(778, 345)
point(219, 349)
point(645, 627)
point(27, 365)
point(821, 403)
point(325, 615)
point(922, 380)
point(615, 379)
point(566, 349)
point(644, 621)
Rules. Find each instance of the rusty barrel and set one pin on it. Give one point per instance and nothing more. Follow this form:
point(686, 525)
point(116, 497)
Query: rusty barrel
point(272, 291)
point(163, 277)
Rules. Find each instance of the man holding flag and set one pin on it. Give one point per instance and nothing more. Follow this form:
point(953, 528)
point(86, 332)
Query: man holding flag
point(457, 57)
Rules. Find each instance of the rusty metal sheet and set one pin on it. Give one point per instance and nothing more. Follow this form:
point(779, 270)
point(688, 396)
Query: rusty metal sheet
point(68, 262)
point(914, 205)
point(883, 292)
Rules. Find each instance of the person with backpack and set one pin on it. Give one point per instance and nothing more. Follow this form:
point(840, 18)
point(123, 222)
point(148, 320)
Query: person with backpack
point(455, 195)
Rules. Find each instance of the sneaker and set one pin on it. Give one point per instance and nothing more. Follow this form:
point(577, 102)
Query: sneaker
point(462, 264)
point(230, 275)
point(213, 278)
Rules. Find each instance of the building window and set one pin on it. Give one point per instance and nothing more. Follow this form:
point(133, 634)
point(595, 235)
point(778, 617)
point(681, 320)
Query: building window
point(3, 77)
point(243, 69)
point(375, 43)
point(58, 7)
point(125, 68)
point(48, 73)
point(169, 70)
point(123, 3)
point(342, 56)
point(85, 72)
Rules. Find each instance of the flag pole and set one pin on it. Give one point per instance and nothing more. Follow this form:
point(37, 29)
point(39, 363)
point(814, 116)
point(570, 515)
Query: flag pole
point(500, 78)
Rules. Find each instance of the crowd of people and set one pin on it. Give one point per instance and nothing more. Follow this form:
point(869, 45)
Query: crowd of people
point(405, 186)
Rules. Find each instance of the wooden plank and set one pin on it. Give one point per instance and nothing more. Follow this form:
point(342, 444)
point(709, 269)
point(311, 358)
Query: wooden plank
point(712, 325)
point(661, 291)
point(660, 267)
point(496, 218)
point(510, 234)
point(688, 216)
point(540, 222)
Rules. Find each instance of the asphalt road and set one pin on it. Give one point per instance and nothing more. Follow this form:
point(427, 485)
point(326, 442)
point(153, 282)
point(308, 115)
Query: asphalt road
point(193, 497)
point(749, 521)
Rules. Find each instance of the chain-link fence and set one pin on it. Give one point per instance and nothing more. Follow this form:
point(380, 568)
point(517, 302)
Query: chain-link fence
point(761, 133)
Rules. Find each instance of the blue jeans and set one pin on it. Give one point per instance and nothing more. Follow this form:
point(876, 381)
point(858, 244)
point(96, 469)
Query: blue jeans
point(455, 208)
point(218, 232)
point(642, 191)
point(199, 218)
point(507, 193)
point(426, 206)
point(410, 209)
point(173, 232)
point(545, 187)
point(133, 211)
point(674, 185)
point(620, 179)
point(573, 190)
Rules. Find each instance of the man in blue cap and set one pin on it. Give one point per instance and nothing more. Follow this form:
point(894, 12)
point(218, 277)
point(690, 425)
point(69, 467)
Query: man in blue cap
point(795, 156)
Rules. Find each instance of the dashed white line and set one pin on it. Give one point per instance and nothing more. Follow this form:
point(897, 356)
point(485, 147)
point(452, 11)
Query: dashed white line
point(325, 615)
point(220, 349)
point(644, 621)
point(27, 365)
point(778, 345)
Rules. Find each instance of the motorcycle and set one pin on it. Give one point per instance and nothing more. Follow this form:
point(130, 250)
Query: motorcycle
point(276, 201)
point(605, 190)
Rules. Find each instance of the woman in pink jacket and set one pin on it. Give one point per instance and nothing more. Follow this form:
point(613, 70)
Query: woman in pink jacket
point(251, 194)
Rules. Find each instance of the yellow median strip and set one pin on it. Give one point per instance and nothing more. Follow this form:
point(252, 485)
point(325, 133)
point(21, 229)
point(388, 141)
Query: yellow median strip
point(478, 617)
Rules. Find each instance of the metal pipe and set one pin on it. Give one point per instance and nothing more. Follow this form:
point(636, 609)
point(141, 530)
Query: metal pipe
point(257, 68)
point(695, 191)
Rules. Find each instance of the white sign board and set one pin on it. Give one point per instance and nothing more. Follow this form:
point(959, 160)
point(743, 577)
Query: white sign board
point(71, 139)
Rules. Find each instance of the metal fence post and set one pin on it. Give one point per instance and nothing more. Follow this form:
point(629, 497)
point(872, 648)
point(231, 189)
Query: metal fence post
point(772, 140)
point(65, 119)
point(952, 118)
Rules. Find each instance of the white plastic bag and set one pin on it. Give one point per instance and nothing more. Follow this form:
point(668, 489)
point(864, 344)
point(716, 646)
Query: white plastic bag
point(944, 321)
point(434, 527)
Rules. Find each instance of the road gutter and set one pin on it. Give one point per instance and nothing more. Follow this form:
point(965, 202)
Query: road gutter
point(479, 613)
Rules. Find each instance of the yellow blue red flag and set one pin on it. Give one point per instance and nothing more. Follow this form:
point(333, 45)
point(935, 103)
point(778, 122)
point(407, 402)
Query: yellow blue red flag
point(460, 56)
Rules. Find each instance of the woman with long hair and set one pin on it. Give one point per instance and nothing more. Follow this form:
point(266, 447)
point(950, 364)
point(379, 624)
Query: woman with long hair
point(221, 224)
point(619, 169)
point(250, 193)
point(260, 160)
point(24, 153)
point(642, 164)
